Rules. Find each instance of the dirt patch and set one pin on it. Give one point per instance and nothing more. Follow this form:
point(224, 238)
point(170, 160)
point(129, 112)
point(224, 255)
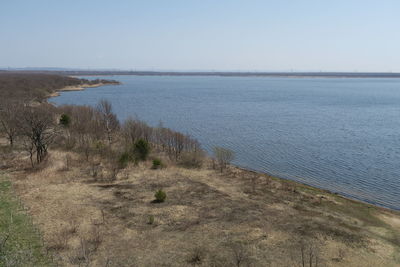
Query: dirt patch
point(392, 220)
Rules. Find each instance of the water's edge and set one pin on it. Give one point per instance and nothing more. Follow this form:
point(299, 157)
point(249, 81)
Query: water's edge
point(248, 169)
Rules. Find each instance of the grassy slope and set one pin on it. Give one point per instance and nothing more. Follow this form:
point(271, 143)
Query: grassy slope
point(207, 218)
point(20, 243)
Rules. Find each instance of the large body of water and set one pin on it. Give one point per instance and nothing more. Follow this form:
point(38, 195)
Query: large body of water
point(338, 134)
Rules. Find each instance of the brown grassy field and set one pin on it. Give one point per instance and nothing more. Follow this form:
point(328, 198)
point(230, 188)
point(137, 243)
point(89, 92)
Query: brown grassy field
point(235, 218)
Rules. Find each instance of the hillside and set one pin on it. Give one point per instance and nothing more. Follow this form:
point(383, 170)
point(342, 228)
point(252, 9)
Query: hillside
point(237, 218)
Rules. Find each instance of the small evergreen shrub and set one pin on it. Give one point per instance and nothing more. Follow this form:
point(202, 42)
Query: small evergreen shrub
point(160, 196)
point(141, 149)
point(65, 120)
point(157, 164)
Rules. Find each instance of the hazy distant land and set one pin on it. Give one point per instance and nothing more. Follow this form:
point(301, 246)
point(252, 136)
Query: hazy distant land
point(79, 72)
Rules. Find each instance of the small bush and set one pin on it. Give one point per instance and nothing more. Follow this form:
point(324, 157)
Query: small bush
point(65, 120)
point(160, 196)
point(141, 149)
point(151, 220)
point(197, 256)
point(116, 162)
point(157, 164)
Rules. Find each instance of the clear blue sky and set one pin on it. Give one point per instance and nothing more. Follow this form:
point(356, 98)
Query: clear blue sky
point(280, 35)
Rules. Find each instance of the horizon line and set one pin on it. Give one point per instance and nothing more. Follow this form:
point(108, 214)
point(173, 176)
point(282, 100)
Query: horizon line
point(134, 70)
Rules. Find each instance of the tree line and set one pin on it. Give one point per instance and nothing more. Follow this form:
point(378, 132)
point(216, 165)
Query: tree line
point(36, 86)
point(86, 129)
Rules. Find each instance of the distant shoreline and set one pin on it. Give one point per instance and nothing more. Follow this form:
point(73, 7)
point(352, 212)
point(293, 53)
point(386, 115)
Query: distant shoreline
point(78, 88)
point(249, 74)
point(220, 73)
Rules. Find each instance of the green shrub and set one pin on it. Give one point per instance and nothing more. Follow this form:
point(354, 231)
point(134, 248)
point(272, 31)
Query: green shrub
point(141, 149)
point(160, 196)
point(65, 120)
point(157, 164)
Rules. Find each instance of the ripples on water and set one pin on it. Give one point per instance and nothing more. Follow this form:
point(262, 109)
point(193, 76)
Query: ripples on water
point(337, 134)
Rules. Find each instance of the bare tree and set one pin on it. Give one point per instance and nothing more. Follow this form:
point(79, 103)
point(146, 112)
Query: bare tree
point(82, 126)
point(29, 146)
point(37, 126)
point(241, 253)
point(134, 129)
point(175, 143)
point(309, 253)
point(192, 159)
point(224, 156)
point(8, 119)
point(85, 127)
point(108, 118)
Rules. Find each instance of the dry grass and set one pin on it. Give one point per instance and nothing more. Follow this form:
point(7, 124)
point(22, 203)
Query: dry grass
point(237, 218)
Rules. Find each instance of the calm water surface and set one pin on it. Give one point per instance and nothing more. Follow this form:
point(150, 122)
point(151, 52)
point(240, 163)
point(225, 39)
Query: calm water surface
point(338, 134)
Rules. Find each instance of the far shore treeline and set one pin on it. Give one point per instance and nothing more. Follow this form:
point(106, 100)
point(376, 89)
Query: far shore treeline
point(291, 74)
point(25, 86)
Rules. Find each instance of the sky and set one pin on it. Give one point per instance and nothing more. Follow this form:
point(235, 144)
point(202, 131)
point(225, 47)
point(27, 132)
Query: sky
point(202, 35)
